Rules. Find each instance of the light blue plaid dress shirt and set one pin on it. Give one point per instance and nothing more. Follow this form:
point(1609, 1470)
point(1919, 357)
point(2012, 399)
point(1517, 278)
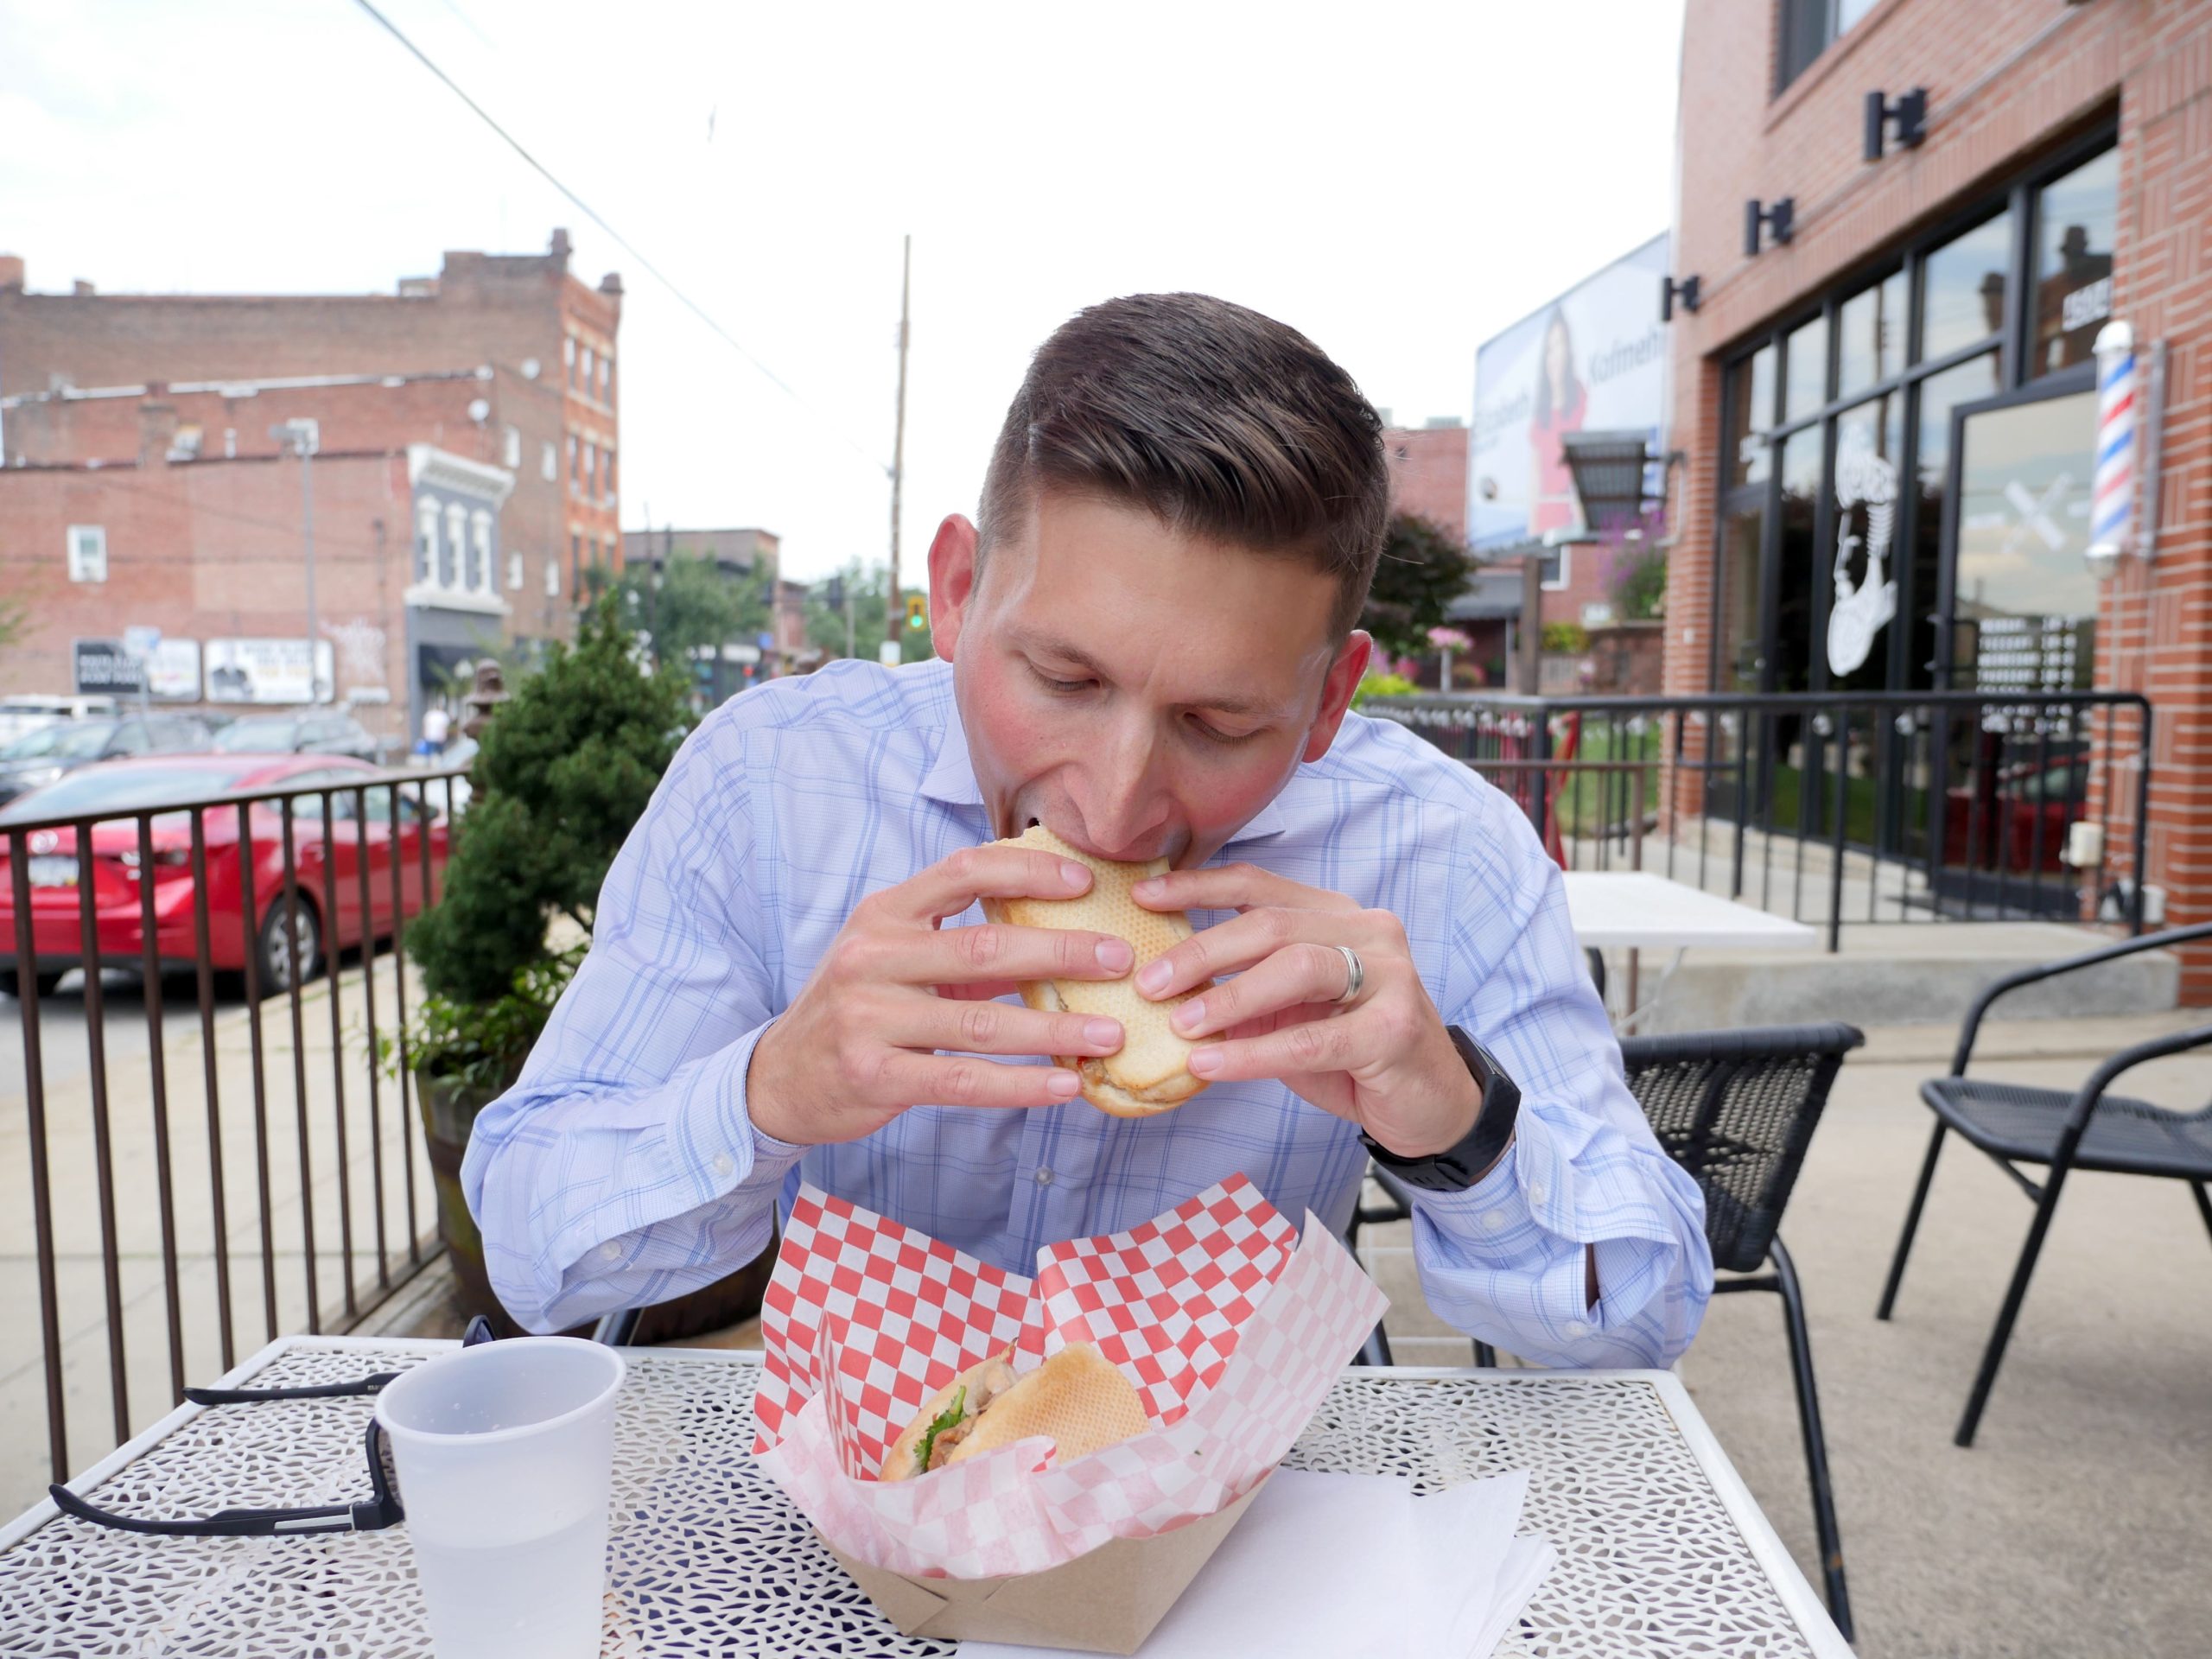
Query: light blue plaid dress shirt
point(622, 1168)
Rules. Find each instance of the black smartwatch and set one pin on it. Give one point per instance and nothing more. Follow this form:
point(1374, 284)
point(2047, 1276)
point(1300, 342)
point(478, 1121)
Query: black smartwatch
point(1459, 1167)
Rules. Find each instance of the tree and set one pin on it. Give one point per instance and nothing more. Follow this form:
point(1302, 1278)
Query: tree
point(1421, 571)
point(689, 604)
point(15, 621)
point(566, 768)
point(862, 586)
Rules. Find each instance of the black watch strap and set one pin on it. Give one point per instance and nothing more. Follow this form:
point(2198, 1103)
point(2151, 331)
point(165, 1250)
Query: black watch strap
point(1457, 1169)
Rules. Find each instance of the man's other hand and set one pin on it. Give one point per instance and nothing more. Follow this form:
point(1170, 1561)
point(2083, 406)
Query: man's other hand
point(860, 1044)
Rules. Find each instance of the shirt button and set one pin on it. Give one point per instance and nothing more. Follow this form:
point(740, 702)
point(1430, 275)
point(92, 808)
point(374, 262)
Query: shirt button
point(1576, 1328)
point(725, 1166)
point(610, 1251)
point(1493, 1221)
point(1043, 1177)
point(1537, 1192)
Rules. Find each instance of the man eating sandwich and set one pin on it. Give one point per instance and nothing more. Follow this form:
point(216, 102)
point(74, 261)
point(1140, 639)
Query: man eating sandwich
point(918, 935)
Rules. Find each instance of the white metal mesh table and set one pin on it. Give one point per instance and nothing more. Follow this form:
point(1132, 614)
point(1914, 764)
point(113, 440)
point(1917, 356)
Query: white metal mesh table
point(1662, 1550)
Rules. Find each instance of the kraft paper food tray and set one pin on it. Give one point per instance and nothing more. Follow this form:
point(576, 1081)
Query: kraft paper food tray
point(1230, 1325)
point(1107, 1601)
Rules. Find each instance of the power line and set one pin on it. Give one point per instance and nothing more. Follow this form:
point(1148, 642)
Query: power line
point(619, 240)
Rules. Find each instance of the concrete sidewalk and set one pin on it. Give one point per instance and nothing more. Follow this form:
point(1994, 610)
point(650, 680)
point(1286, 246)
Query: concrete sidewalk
point(2078, 1522)
point(259, 1300)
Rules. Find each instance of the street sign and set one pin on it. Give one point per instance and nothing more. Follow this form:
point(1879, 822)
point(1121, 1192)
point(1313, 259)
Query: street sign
point(104, 666)
point(141, 643)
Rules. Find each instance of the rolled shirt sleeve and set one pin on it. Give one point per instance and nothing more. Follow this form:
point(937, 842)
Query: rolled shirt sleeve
point(1507, 1261)
point(623, 1169)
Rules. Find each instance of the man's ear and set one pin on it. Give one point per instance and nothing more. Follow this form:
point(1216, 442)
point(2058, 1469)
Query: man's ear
point(1344, 677)
point(952, 581)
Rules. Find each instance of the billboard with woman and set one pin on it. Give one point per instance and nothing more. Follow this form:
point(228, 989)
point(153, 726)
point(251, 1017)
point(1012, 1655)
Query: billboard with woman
point(1593, 359)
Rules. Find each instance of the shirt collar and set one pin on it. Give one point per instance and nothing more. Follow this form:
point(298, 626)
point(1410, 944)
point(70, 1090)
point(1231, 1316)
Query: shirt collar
point(951, 778)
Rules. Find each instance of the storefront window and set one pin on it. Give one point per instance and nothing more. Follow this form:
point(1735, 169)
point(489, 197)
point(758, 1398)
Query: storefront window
point(1962, 287)
point(1750, 407)
point(2075, 219)
point(1741, 595)
point(2026, 604)
point(1863, 560)
point(1939, 394)
point(1800, 563)
point(1805, 355)
point(1840, 559)
point(1871, 330)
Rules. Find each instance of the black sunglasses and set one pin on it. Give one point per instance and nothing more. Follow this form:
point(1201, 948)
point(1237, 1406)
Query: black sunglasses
point(382, 1510)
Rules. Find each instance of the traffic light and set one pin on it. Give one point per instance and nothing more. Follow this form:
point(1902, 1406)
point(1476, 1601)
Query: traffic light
point(918, 612)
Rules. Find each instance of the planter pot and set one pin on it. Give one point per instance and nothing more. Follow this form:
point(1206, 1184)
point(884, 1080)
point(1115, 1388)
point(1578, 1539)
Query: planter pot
point(448, 1110)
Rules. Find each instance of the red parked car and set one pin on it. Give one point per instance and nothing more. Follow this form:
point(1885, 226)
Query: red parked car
point(178, 781)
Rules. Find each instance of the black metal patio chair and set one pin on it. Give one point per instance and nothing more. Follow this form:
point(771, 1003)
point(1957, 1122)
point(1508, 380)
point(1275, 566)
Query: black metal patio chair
point(1736, 1108)
point(2088, 1129)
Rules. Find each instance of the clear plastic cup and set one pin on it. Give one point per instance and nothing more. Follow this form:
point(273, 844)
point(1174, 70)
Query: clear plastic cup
point(505, 1453)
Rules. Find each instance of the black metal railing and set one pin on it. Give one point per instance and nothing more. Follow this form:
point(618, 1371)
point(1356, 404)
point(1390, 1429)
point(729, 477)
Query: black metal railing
point(1833, 807)
point(350, 862)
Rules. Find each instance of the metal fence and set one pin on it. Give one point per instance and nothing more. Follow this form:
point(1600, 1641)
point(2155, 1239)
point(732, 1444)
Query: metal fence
point(1832, 808)
point(195, 1194)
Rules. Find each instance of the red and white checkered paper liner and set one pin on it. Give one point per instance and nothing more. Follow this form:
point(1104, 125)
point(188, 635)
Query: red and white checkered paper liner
point(1231, 1335)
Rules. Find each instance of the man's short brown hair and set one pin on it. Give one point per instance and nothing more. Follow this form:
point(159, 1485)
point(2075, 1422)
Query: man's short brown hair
point(1224, 423)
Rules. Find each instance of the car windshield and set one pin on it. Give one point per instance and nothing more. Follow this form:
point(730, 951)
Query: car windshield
point(266, 733)
point(68, 740)
point(102, 788)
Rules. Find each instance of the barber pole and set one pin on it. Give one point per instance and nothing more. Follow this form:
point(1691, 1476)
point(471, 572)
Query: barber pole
point(2113, 506)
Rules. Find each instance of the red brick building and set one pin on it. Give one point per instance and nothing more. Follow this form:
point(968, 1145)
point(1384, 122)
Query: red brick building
point(1924, 337)
point(209, 551)
point(1428, 474)
point(496, 377)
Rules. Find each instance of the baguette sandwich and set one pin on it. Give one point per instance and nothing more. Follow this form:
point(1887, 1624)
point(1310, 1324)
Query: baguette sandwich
point(1076, 1399)
point(1150, 1072)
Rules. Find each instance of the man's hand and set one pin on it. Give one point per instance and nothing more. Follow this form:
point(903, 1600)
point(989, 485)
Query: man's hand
point(858, 1046)
point(1385, 1062)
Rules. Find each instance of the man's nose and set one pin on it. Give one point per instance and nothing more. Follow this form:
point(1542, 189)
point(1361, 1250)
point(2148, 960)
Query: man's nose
point(1123, 814)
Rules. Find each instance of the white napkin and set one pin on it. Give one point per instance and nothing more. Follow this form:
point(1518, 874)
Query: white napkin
point(1353, 1567)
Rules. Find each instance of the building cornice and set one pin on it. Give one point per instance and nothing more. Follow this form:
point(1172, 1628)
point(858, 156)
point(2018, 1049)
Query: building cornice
point(442, 469)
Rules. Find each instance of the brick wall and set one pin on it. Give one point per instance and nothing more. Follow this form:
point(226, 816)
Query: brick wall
point(515, 313)
point(1428, 475)
point(2006, 79)
point(211, 550)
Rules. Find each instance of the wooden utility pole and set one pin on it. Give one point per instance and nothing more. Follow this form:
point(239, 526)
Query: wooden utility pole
point(1529, 669)
point(894, 607)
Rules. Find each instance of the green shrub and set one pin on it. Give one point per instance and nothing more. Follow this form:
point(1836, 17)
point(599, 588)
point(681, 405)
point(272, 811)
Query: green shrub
point(1382, 686)
point(565, 769)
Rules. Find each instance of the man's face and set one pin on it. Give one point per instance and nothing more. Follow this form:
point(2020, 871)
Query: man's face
point(1140, 692)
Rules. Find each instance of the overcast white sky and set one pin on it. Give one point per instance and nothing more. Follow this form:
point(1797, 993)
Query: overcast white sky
point(1399, 182)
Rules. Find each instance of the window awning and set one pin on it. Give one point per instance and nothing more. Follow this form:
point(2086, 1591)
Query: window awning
point(1609, 470)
